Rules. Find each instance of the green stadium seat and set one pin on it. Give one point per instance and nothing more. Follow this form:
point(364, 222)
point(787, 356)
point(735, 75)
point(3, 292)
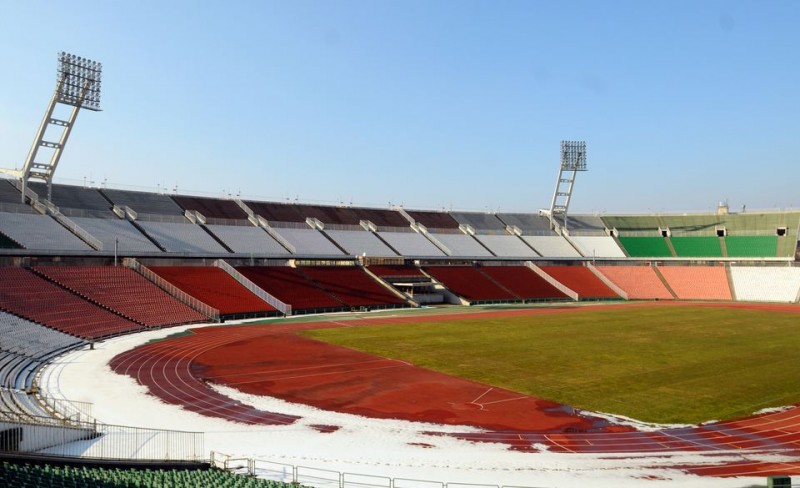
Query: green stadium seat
point(705, 247)
point(645, 247)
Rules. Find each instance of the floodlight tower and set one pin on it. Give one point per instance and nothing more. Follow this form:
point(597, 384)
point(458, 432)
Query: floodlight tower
point(573, 159)
point(78, 86)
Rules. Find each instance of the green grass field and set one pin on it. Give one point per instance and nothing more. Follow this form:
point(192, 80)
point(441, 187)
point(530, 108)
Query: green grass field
point(657, 364)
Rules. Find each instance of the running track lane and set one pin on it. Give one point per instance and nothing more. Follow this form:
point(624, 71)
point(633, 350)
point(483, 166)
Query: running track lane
point(167, 369)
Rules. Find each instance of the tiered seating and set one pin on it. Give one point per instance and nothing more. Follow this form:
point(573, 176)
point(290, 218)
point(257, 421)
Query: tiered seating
point(24, 345)
point(212, 208)
point(124, 291)
point(706, 247)
point(54, 476)
point(29, 296)
point(529, 224)
point(278, 212)
point(246, 239)
point(76, 201)
point(358, 242)
point(507, 246)
point(381, 218)
point(351, 285)
point(395, 271)
point(751, 246)
point(523, 282)
point(40, 232)
point(581, 280)
point(118, 232)
point(410, 244)
point(433, 220)
point(639, 282)
point(697, 282)
point(586, 225)
point(461, 244)
point(215, 287)
point(309, 241)
point(598, 246)
point(479, 221)
point(291, 286)
point(468, 282)
point(552, 246)
point(766, 284)
point(144, 202)
point(645, 247)
point(9, 194)
point(180, 237)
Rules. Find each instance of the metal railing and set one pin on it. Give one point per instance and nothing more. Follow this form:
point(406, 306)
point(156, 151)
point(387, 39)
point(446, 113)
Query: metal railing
point(55, 437)
point(328, 478)
point(284, 308)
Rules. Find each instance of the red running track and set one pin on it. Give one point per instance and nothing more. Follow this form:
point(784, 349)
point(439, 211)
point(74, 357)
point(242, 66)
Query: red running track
point(301, 370)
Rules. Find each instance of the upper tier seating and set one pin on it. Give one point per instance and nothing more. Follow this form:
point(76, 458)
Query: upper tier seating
point(552, 246)
point(395, 270)
point(645, 247)
point(212, 208)
point(124, 291)
point(766, 284)
point(469, 283)
point(433, 220)
point(707, 247)
point(751, 246)
point(309, 241)
point(248, 240)
point(351, 285)
point(34, 298)
point(291, 286)
point(40, 232)
point(381, 217)
point(278, 212)
point(11, 200)
point(581, 280)
point(76, 201)
point(411, 244)
point(697, 282)
point(215, 287)
point(639, 282)
point(479, 221)
point(598, 246)
point(461, 245)
point(117, 232)
point(585, 225)
point(293, 212)
point(144, 203)
point(507, 246)
point(529, 224)
point(179, 237)
point(360, 242)
point(523, 282)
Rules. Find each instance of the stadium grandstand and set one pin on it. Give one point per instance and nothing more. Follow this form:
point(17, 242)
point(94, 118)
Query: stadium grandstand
point(97, 263)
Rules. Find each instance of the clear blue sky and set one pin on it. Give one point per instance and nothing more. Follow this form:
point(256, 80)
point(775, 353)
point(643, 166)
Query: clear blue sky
point(432, 104)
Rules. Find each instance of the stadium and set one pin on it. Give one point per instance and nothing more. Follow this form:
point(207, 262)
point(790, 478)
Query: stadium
point(167, 338)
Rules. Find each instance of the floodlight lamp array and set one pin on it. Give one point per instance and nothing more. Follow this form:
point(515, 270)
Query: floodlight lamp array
point(573, 155)
point(79, 81)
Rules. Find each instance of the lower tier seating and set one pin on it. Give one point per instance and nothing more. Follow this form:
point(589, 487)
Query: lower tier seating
point(386, 271)
point(581, 280)
point(468, 282)
point(124, 291)
point(27, 295)
point(291, 286)
point(766, 284)
point(639, 282)
point(351, 285)
point(523, 282)
point(697, 282)
point(215, 287)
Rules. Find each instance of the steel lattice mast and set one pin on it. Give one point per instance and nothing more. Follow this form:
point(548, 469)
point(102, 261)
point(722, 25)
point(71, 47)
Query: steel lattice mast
point(573, 159)
point(78, 86)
